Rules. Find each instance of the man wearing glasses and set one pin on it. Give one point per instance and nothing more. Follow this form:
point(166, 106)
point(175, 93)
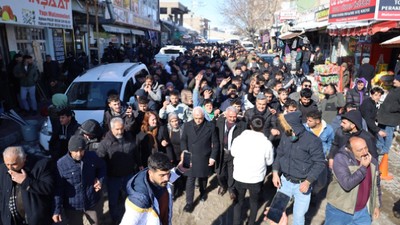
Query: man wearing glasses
point(304, 84)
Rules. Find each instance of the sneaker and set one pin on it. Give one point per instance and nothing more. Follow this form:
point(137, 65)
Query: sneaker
point(188, 208)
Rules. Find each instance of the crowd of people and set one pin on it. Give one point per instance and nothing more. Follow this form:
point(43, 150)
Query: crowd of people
point(236, 115)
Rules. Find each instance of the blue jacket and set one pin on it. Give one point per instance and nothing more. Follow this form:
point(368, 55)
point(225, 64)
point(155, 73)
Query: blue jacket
point(75, 180)
point(327, 135)
point(142, 207)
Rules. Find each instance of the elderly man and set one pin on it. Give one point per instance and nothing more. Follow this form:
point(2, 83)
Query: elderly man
point(354, 193)
point(81, 173)
point(119, 150)
point(200, 139)
point(26, 189)
point(228, 128)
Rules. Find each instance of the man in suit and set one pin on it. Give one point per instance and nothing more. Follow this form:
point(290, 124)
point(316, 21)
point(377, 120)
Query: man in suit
point(228, 128)
point(200, 139)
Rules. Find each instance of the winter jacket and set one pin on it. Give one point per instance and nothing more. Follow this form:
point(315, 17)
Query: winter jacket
point(141, 206)
point(27, 77)
point(327, 135)
point(121, 156)
point(306, 109)
point(342, 137)
point(389, 112)
point(58, 143)
point(348, 174)
point(300, 158)
point(330, 105)
point(369, 112)
point(155, 93)
point(269, 120)
point(355, 96)
point(37, 192)
point(74, 182)
point(108, 116)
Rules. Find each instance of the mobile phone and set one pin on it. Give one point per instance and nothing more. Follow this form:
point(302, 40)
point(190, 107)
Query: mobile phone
point(187, 157)
point(278, 206)
point(167, 98)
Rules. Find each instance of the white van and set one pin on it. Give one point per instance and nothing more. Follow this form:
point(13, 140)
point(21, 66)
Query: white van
point(87, 94)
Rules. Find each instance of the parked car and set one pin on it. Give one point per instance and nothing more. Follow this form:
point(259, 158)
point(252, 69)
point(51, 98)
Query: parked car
point(248, 45)
point(87, 94)
point(165, 53)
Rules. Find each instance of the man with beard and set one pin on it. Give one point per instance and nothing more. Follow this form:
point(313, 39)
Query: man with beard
point(228, 128)
point(231, 95)
point(119, 150)
point(261, 109)
point(150, 192)
point(173, 105)
point(351, 126)
point(306, 103)
point(116, 109)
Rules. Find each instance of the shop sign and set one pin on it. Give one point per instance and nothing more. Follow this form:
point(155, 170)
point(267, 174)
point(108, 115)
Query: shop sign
point(139, 13)
point(322, 15)
point(351, 10)
point(287, 15)
point(388, 10)
point(44, 13)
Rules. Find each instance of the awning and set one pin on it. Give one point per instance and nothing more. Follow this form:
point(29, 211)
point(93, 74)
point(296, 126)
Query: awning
point(137, 32)
point(392, 43)
point(289, 35)
point(116, 29)
point(361, 28)
point(310, 26)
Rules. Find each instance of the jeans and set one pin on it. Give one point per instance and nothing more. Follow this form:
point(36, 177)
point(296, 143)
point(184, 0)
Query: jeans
point(384, 143)
point(334, 216)
point(32, 98)
point(241, 189)
point(116, 187)
point(301, 200)
point(306, 68)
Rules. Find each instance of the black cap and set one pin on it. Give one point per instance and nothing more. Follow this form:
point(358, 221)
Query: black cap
point(76, 142)
point(91, 127)
point(355, 117)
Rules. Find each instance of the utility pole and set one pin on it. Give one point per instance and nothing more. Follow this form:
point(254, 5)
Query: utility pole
point(96, 5)
point(87, 27)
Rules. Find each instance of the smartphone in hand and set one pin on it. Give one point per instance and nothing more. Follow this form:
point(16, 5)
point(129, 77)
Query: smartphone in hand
point(187, 158)
point(278, 206)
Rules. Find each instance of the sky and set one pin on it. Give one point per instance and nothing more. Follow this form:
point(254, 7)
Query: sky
point(208, 9)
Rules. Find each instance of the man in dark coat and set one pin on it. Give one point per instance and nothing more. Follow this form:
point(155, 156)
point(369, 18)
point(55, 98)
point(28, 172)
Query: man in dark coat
point(117, 109)
point(26, 189)
point(369, 111)
point(367, 71)
point(351, 125)
point(389, 115)
point(119, 150)
point(200, 139)
point(306, 103)
point(358, 93)
point(228, 128)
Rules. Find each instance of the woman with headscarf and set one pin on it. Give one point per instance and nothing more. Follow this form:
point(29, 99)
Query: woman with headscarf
point(152, 138)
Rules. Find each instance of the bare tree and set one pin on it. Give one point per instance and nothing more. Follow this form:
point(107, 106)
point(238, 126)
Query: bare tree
point(249, 16)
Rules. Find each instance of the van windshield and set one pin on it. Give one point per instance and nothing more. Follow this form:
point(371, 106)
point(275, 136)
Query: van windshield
point(91, 95)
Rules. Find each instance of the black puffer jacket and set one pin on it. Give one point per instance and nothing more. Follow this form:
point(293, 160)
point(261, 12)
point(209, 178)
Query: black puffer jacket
point(355, 96)
point(389, 112)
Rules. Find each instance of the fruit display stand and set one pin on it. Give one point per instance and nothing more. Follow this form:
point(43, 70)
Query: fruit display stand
point(326, 74)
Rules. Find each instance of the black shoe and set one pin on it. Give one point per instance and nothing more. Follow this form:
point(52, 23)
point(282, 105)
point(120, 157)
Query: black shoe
point(188, 208)
point(221, 191)
point(203, 197)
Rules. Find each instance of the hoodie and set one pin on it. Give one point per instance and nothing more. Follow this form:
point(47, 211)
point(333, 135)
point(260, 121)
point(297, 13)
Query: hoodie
point(356, 96)
point(300, 157)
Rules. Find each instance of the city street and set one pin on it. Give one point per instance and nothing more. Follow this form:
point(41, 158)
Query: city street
point(218, 210)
